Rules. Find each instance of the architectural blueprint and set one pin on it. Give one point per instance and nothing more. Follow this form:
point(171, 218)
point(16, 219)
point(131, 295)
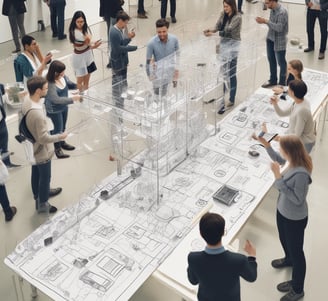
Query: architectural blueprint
point(107, 244)
point(105, 249)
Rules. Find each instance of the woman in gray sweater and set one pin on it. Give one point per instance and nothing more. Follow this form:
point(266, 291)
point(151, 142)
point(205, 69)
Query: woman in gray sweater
point(292, 209)
point(228, 26)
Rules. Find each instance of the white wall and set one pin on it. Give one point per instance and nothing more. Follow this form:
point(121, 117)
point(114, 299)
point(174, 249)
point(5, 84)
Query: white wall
point(36, 9)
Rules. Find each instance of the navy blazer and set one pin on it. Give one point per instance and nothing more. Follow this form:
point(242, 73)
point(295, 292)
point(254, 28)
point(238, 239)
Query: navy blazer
point(19, 5)
point(120, 48)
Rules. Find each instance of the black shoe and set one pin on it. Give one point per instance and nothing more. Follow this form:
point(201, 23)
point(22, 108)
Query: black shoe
point(11, 215)
point(54, 191)
point(280, 263)
point(142, 16)
point(60, 155)
point(285, 286)
point(109, 65)
point(41, 25)
point(321, 56)
point(12, 165)
point(63, 37)
point(221, 111)
point(308, 49)
point(16, 51)
point(67, 146)
point(268, 84)
point(241, 12)
point(292, 296)
point(46, 208)
point(55, 35)
point(173, 20)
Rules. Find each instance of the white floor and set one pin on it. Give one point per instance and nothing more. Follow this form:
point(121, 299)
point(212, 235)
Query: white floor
point(80, 172)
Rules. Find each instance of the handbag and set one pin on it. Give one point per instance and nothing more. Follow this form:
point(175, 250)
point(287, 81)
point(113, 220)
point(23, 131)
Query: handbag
point(92, 67)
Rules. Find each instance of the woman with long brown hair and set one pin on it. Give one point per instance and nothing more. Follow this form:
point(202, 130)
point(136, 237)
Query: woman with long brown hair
point(292, 209)
point(57, 101)
point(82, 59)
point(228, 26)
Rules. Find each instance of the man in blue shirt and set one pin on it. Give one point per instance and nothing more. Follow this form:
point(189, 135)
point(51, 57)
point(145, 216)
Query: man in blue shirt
point(162, 58)
point(216, 270)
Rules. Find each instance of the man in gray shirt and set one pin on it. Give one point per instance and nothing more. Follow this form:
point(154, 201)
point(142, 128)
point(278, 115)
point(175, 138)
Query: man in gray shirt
point(276, 42)
point(162, 59)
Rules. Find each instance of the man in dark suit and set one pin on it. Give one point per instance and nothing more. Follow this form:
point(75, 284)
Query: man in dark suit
point(57, 18)
point(15, 10)
point(172, 9)
point(108, 9)
point(317, 9)
point(216, 270)
point(119, 56)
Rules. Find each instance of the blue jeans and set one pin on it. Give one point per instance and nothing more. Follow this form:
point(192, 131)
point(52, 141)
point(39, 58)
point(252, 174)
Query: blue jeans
point(119, 85)
point(275, 57)
point(59, 120)
point(230, 74)
point(291, 235)
point(40, 180)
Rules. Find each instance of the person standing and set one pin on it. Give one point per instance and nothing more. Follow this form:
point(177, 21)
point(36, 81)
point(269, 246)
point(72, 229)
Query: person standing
point(162, 59)
point(172, 10)
point(108, 9)
point(301, 121)
point(83, 59)
point(5, 155)
point(292, 210)
point(15, 10)
point(8, 210)
point(141, 10)
point(31, 61)
point(240, 4)
point(217, 270)
point(57, 18)
point(317, 9)
point(119, 56)
point(229, 27)
point(276, 42)
point(57, 102)
point(43, 150)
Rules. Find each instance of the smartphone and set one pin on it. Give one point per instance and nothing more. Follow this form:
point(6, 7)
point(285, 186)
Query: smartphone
point(98, 40)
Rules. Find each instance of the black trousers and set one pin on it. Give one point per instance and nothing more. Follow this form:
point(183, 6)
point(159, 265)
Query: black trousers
point(311, 17)
point(164, 8)
point(291, 235)
point(4, 141)
point(57, 19)
point(119, 85)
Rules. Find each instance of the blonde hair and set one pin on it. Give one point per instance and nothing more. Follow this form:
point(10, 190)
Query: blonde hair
point(294, 148)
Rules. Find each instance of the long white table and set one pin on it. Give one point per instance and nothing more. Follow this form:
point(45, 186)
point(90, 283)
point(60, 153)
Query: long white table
point(252, 176)
point(105, 248)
